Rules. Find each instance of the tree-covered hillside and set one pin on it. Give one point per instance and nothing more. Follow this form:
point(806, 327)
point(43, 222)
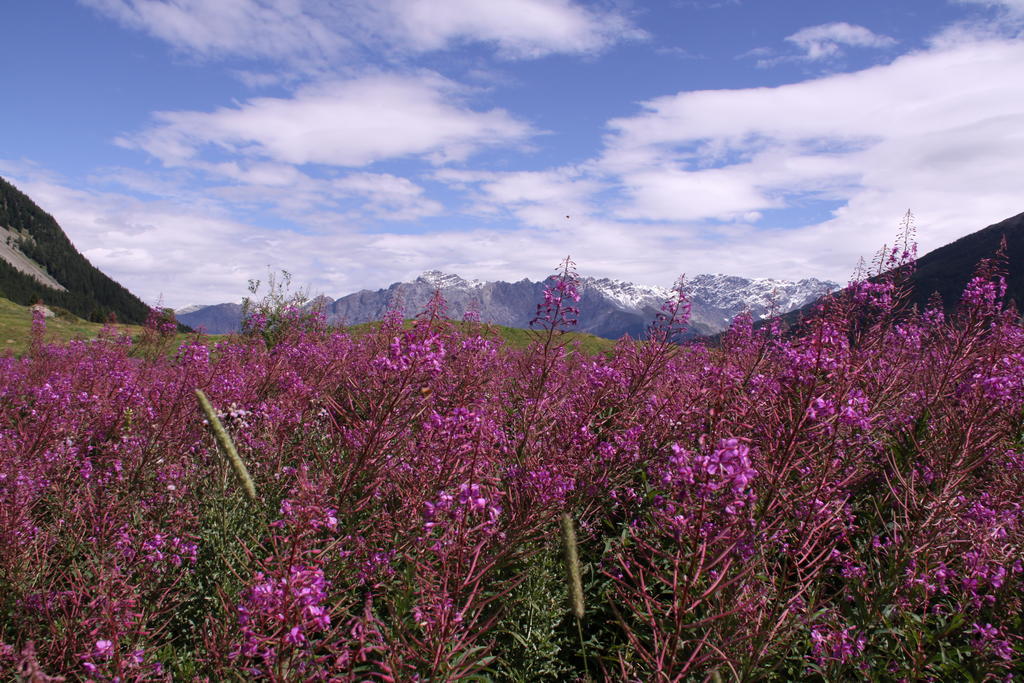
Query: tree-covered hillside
point(90, 294)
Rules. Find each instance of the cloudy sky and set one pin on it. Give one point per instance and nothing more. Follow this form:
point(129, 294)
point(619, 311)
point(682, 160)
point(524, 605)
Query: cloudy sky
point(189, 145)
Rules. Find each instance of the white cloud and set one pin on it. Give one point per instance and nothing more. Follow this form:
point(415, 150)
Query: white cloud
point(172, 251)
point(674, 195)
point(282, 189)
point(155, 248)
point(341, 123)
point(185, 254)
point(939, 131)
point(537, 198)
point(687, 184)
point(520, 28)
point(312, 33)
point(827, 40)
point(1013, 7)
point(387, 196)
point(1007, 21)
point(278, 29)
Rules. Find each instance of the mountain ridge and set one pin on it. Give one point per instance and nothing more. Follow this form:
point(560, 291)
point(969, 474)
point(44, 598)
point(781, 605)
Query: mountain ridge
point(611, 307)
point(608, 307)
point(946, 270)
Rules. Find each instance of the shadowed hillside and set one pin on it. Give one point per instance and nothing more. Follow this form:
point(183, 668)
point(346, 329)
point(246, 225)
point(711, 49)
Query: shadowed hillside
point(947, 269)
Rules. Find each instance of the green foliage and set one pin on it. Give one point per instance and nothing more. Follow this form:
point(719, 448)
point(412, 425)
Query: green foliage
point(536, 638)
point(229, 527)
point(281, 311)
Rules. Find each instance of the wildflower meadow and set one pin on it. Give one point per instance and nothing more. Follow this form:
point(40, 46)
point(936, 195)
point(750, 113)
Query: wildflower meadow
point(839, 501)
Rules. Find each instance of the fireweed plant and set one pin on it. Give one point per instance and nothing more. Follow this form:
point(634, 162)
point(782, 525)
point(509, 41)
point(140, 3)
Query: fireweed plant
point(838, 502)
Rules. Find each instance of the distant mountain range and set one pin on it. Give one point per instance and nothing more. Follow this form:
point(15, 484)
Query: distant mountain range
point(215, 319)
point(608, 308)
point(611, 308)
point(39, 263)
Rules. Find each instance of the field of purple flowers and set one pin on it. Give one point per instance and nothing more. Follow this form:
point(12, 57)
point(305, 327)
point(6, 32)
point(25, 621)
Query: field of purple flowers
point(423, 503)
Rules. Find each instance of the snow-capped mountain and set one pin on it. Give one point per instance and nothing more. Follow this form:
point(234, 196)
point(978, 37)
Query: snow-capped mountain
point(715, 298)
point(627, 295)
point(759, 295)
point(608, 308)
point(444, 281)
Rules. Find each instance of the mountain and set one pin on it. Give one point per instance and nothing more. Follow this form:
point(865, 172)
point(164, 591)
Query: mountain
point(608, 308)
point(216, 319)
point(38, 262)
point(947, 269)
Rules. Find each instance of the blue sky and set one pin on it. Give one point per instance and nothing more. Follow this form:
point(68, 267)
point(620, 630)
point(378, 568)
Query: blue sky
point(187, 145)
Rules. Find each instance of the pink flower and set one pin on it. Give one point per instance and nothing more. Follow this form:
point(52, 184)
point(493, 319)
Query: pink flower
point(104, 649)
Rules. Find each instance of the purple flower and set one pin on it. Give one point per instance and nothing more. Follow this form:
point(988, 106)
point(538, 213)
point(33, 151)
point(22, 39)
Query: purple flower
point(104, 649)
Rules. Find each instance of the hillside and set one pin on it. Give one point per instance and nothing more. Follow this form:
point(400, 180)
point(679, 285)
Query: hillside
point(947, 269)
point(39, 263)
point(512, 337)
point(16, 327)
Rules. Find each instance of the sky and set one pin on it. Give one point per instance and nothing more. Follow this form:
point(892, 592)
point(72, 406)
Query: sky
point(188, 146)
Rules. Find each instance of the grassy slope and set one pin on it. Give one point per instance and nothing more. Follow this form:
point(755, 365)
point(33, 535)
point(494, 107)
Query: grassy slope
point(16, 326)
point(515, 337)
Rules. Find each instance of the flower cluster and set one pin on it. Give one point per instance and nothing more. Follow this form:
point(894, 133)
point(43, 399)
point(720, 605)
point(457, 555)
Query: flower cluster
point(281, 613)
point(727, 468)
point(472, 503)
point(556, 311)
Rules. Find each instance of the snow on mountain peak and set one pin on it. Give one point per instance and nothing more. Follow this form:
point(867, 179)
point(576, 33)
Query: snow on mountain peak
point(760, 295)
point(440, 280)
point(613, 307)
point(627, 295)
point(728, 293)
